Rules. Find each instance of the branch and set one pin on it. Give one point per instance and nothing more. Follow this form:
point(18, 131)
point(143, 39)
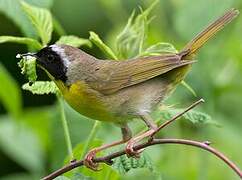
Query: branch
point(108, 159)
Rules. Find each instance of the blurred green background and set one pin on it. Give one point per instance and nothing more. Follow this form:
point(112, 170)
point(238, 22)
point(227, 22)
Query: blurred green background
point(31, 136)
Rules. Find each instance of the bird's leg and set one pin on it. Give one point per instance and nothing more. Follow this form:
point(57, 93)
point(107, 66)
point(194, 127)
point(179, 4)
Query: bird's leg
point(152, 128)
point(149, 121)
point(88, 160)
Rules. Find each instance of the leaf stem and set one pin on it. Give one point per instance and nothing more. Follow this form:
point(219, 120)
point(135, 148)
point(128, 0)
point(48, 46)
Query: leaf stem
point(166, 123)
point(66, 129)
point(95, 39)
point(58, 27)
point(189, 88)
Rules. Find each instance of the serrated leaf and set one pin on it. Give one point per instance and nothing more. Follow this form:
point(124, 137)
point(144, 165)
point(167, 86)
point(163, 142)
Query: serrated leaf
point(102, 46)
point(21, 40)
point(10, 94)
point(12, 9)
point(74, 41)
point(41, 87)
point(124, 164)
point(158, 49)
point(130, 42)
point(28, 68)
point(192, 116)
point(41, 19)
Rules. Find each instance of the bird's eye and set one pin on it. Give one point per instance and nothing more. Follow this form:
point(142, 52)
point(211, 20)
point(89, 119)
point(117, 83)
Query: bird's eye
point(50, 57)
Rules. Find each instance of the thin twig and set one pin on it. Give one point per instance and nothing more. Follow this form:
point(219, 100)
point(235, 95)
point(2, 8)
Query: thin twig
point(177, 116)
point(108, 159)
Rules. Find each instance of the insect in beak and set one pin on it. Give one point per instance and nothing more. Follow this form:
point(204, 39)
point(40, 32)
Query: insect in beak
point(26, 55)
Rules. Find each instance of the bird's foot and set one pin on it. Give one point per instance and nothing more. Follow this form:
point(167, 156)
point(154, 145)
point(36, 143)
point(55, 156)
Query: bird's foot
point(88, 160)
point(130, 150)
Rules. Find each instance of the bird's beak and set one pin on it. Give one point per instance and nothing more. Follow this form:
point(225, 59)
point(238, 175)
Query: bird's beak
point(26, 55)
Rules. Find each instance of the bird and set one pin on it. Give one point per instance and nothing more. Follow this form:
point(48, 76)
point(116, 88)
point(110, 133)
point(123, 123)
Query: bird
point(119, 91)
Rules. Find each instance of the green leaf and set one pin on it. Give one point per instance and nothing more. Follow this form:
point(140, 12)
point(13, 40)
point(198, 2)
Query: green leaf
point(41, 87)
point(41, 19)
point(104, 48)
point(130, 42)
point(158, 49)
point(12, 9)
point(21, 40)
point(21, 145)
point(28, 68)
point(124, 164)
point(189, 88)
point(10, 94)
point(192, 116)
point(107, 172)
point(198, 117)
point(74, 41)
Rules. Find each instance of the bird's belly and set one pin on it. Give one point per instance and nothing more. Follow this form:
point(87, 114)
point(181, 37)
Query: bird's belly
point(87, 102)
point(141, 98)
point(119, 107)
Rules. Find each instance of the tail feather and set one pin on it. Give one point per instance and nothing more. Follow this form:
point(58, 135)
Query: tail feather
point(209, 32)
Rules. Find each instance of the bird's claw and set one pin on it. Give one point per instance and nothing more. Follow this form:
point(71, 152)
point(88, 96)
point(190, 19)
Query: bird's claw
point(88, 160)
point(131, 152)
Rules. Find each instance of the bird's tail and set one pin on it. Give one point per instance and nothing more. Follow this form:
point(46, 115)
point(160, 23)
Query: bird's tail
point(199, 40)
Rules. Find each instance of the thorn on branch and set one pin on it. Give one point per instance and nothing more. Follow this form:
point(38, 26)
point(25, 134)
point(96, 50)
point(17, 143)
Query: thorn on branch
point(109, 162)
point(208, 143)
point(73, 161)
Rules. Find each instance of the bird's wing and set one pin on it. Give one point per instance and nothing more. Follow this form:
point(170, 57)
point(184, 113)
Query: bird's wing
point(112, 76)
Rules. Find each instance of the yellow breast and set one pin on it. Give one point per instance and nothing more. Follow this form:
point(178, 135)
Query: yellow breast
point(85, 100)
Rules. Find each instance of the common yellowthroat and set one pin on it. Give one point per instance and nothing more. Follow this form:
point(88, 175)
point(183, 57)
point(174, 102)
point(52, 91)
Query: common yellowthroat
point(118, 91)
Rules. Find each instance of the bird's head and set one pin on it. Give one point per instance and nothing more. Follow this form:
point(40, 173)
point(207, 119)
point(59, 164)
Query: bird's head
point(62, 62)
point(55, 59)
